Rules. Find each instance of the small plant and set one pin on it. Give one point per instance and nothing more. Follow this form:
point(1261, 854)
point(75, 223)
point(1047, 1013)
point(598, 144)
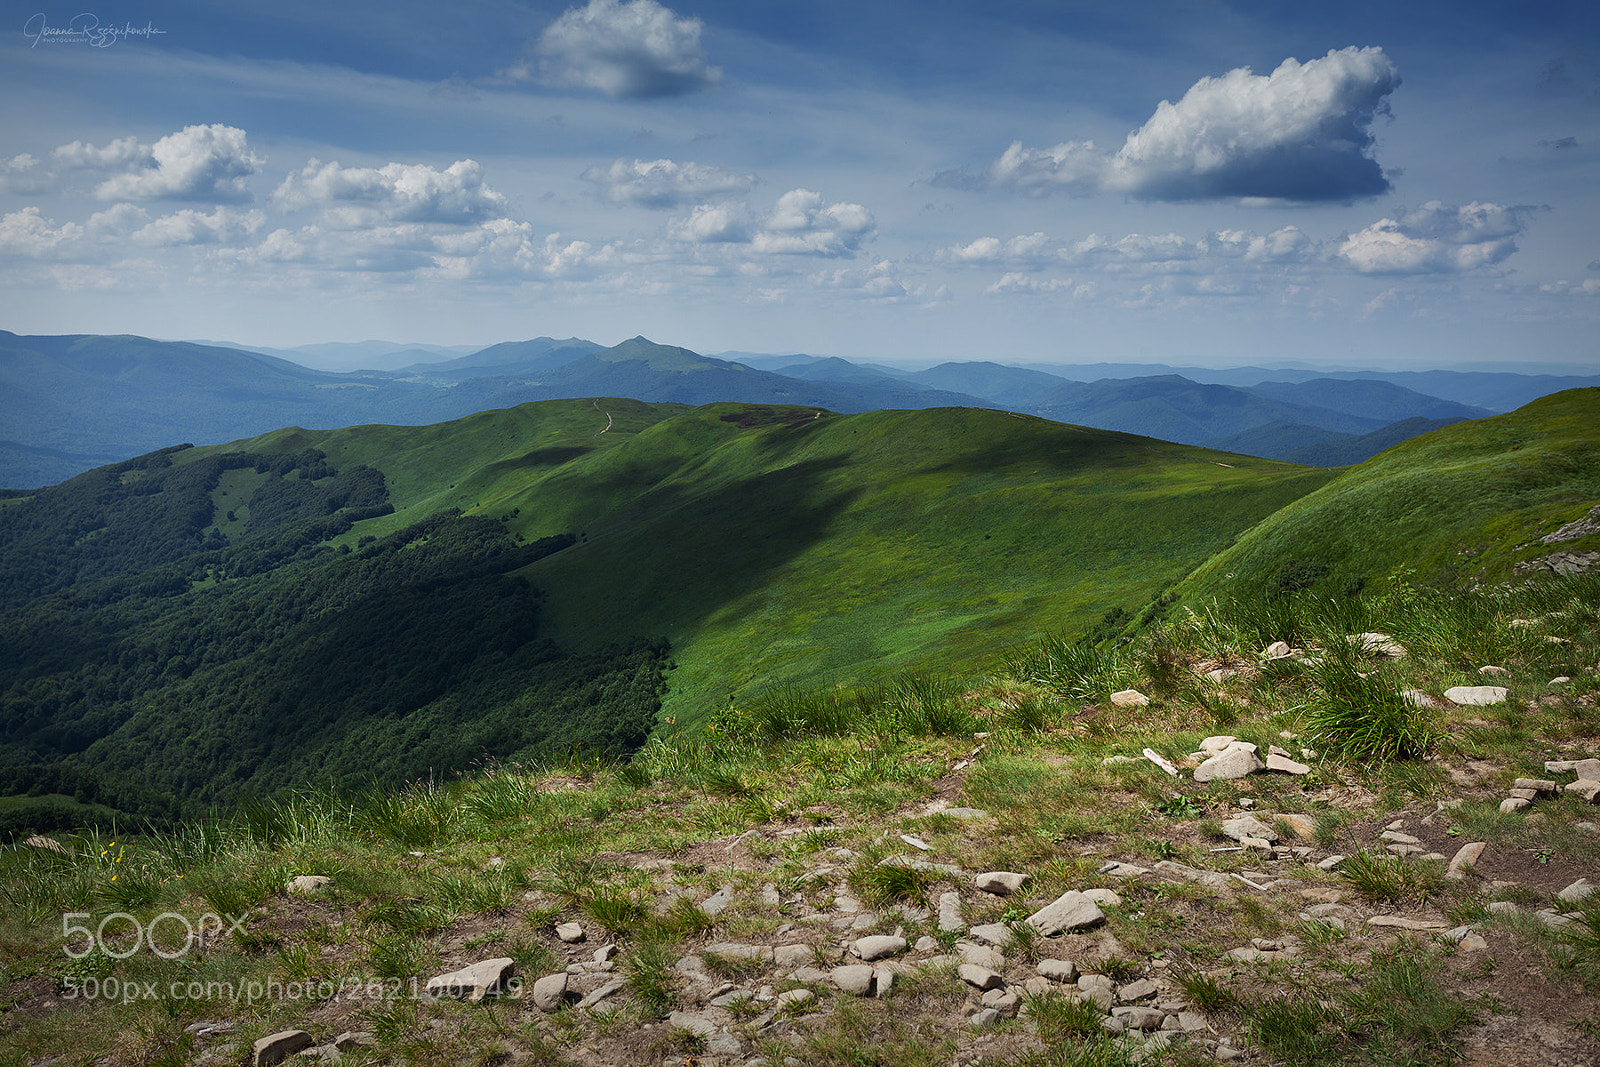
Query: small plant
point(649, 975)
point(1058, 1017)
point(1179, 806)
point(616, 910)
point(1365, 718)
point(1390, 879)
point(1205, 992)
point(884, 883)
point(395, 956)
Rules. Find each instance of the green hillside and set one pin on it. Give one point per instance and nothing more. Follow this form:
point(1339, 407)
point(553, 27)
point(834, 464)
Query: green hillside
point(781, 544)
point(1468, 502)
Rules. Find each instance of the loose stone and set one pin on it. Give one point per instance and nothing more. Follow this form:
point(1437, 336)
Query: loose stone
point(979, 977)
point(856, 980)
point(1070, 911)
point(474, 982)
point(1466, 856)
point(1000, 883)
point(1058, 970)
point(275, 1048)
point(1477, 695)
point(877, 947)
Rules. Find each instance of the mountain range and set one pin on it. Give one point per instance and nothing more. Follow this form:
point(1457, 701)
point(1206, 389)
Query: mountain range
point(68, 403)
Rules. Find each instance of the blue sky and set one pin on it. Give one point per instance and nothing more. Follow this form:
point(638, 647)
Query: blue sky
point(1364, 184)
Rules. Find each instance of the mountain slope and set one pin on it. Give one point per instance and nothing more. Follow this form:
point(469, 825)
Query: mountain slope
point(1467, 501)
point(781, 543)
point(1174, 408)
point(1316, 447)
point(1366, 398)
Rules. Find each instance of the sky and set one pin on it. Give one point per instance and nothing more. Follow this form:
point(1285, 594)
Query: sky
point(1213, 182)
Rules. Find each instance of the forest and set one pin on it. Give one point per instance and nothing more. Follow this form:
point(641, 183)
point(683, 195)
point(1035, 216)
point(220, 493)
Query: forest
point(161, 654)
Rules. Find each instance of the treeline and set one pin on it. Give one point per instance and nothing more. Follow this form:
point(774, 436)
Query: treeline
point(133, 516)
point(184, 673)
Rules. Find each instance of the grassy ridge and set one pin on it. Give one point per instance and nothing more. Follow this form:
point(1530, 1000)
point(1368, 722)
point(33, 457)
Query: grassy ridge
point(1468, 501)
point(783, 544)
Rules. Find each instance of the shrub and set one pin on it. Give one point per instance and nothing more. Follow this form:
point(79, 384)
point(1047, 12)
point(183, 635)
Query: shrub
point(1366, 718)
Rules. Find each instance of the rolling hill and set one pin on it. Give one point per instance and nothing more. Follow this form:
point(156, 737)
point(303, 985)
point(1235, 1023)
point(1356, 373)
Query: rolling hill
point(1469, 502)
point(393, 599)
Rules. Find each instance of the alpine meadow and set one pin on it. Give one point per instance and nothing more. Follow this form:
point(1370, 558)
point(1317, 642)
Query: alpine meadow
point(697, 533)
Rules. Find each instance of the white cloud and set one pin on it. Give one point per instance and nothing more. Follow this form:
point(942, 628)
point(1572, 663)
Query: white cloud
point(1135, 248)
point(122, 152)
point(22, 174)
point(188, 227)
point(205, 163)
point(1018, 282)
point(992, 250)
point(664, 183)
point(1302, 133)
point(714, 224)
point(358, 197)
point(1436, 239)
point(638, 49)
point(29, 233)
point(882, 282)
point(800, 224)
point(1075, 167)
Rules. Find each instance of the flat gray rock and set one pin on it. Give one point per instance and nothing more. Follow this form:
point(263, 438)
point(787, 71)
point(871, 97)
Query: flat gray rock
point(1000, 883)
point(1070, 911)
point(474, 982)
point(997, 934)
point(275, 1048)
point(1058, 970)
point(549, 992)
point(856, 979)
point(979, 977)
point(878, 946)
point(717, 902)
point(695, 1024)
point(950, 918)
point(1236, 761)
point(1242, 826)
point(1477, 695)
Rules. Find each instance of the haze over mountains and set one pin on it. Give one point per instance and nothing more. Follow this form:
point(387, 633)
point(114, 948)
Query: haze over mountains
point(70, 403)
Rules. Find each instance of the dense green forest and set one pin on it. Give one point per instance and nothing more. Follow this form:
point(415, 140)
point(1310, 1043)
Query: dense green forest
point(160, 652)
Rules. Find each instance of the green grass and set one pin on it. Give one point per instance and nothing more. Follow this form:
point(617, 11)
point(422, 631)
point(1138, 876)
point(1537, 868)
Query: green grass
point(842, 549)
point(1465, 502)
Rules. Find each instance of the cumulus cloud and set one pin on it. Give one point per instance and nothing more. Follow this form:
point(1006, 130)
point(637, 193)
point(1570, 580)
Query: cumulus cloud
point(801, 224)
point(22, 174)
point(1436, 239)
point(188, 227)
point(1134, 248)
point(1018, 282)
point(1074, 167)
point(662, 183)
point(882, 282)
point(356, 197)
point(28, 233)
point(1286, 245)
point(211, 164)
point(714, 224)
point(993, 250)
point(638, 50)
point(1301, 133)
